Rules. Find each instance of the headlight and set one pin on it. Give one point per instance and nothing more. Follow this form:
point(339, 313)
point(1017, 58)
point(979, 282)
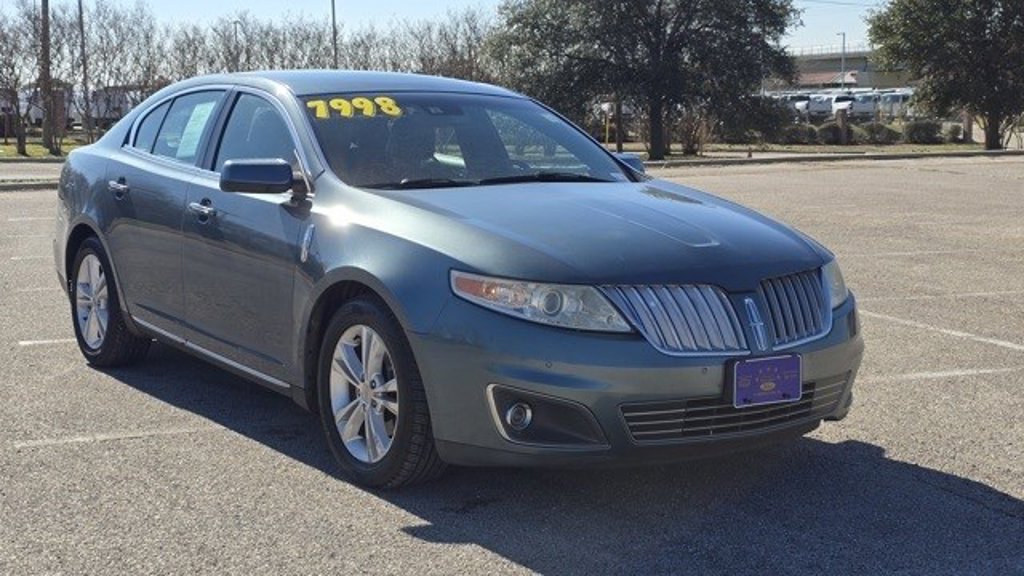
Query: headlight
point(577, 307)
point(838, 293)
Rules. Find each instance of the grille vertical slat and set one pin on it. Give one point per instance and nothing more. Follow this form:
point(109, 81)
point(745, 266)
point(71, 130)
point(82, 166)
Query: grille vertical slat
point(682, 329)
point(714, 300)
point(692, 318)
point(662, 316)
point(815, 304)
point(797, 306)
point(799, 324)
point(679, 319)
point(806, 308)
point(707, 320)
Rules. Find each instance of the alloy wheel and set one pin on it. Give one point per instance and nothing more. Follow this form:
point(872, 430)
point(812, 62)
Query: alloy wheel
point(364, 393)
point(91, 301)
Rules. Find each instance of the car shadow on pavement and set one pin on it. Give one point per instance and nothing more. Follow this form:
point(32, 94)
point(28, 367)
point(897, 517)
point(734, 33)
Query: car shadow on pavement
point(810, 507)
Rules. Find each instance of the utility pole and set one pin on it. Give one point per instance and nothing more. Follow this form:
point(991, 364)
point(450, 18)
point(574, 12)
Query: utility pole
point(238, 51)
point(842, 78)
point(334, 33)
point(46, 82)
point(87, 113)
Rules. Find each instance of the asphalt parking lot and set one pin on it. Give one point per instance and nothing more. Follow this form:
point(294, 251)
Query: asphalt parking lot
point(174, 466)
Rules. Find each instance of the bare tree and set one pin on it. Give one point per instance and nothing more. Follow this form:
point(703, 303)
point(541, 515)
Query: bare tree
point(14, 71)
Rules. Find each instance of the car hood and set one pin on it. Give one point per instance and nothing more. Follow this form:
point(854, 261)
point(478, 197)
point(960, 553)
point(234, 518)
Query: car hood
point(650, 232)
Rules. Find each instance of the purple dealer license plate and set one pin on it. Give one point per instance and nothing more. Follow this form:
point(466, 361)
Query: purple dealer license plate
point(763, 381)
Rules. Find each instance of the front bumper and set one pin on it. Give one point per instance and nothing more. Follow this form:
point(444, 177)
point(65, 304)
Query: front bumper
point(462, 364)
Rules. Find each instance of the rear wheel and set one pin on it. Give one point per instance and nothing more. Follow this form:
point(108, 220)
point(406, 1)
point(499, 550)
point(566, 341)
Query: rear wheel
point(372, 403)
point(103, 337)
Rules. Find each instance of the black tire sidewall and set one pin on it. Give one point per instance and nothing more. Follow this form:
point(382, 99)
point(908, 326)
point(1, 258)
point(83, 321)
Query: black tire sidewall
point(372, 314)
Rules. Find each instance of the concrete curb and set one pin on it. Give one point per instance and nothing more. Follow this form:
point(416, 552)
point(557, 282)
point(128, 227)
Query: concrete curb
point(28, 185)
point(40, 160)
point(799, 158)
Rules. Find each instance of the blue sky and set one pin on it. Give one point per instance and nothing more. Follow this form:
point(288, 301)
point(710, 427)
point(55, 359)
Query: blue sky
point(822, 18)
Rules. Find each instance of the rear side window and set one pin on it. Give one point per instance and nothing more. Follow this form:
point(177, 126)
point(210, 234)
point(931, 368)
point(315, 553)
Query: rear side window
point(185, 124)
point(145, 136)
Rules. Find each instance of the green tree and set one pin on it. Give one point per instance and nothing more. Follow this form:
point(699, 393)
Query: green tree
point(969, 55)
point(665, 54)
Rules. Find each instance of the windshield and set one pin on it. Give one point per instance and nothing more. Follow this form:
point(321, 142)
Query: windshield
point(425, 140)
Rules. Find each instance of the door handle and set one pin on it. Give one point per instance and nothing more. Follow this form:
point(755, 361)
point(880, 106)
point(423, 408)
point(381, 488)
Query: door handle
point(118, 187)
point(203, 210)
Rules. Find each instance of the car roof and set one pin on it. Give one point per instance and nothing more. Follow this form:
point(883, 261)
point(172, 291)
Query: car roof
point(309, 82)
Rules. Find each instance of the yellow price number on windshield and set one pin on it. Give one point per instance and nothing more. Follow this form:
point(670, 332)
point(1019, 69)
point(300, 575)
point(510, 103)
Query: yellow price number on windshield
point(354, 107)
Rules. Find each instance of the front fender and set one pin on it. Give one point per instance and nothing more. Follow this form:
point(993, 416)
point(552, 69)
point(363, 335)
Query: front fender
point(411, 279)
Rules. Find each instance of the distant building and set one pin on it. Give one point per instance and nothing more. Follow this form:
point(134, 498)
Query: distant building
point(822, 67)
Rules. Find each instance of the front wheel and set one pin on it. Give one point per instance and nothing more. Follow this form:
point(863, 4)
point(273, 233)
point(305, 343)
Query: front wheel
point(372, 403)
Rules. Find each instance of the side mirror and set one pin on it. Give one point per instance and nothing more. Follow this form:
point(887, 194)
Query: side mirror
point(633, 161)
point(260, 176)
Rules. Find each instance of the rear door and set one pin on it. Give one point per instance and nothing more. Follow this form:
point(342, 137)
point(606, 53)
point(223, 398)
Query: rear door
point(241, 250)
point(148, 184)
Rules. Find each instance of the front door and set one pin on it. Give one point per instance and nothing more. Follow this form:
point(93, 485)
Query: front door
point(241, 250)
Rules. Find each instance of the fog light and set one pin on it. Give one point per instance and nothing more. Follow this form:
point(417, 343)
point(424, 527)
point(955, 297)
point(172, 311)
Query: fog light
point(518, 416)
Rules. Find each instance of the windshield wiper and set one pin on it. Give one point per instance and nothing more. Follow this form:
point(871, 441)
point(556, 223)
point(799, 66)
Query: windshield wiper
point(544, 176)
point(419, 183)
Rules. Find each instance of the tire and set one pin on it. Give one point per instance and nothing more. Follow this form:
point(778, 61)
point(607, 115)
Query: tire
point(392, 396)
point(115, 345)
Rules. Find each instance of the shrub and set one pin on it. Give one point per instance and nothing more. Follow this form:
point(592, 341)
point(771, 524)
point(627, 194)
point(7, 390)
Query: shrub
point(858, 135)
point(752, 120)
point(830, 133)
point(922, 132)
point(953, 133)
point(878, 133)
point(798, 134)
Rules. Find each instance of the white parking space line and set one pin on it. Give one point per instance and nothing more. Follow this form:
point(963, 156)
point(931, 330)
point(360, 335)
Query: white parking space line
point(947, 332)
point(20, 258)
point(9, 236)
point(29, 218)
point(939, 296)
point(913, 253)
point(91, 438)
point(45, 342)
point(40, 289)
point(937, 375)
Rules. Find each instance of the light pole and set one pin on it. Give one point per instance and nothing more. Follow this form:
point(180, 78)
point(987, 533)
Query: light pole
point(842, 77)
point(334, 33)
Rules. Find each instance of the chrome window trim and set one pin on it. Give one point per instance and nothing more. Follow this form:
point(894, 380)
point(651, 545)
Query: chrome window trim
point(217, 358)
point(184, 92)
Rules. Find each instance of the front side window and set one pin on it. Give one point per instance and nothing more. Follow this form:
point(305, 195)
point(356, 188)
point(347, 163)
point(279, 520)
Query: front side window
point(439, 139)
point(185, 124)
point(255, 130)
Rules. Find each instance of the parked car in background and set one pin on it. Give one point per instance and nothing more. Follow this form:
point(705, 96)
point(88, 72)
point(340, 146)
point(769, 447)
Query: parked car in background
point(816, 108)
point(447, 272)
point(858, 106)
point(896, 104)
point(791, 100)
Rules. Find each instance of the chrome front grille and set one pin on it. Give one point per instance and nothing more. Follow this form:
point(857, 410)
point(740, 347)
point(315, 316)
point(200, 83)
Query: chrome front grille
point(681, 319)
point(716, 416)
point(797, 308)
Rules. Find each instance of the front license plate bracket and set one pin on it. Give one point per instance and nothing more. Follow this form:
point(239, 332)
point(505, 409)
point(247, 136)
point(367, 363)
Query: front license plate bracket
point(764, 381)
